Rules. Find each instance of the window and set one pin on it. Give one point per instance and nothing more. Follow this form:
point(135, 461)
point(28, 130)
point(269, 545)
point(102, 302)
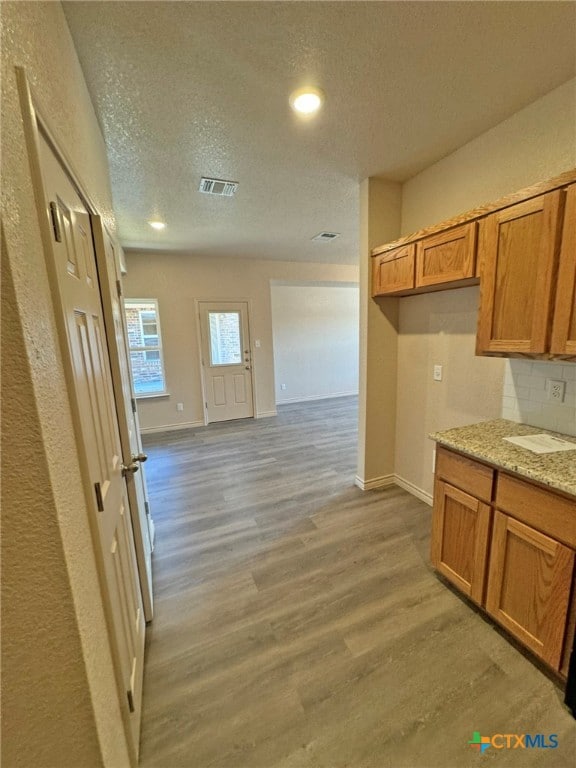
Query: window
point(145, 344)
point(225, 343)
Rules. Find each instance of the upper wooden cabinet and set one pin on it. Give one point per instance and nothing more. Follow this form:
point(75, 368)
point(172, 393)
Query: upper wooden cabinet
point(522, 251)
point(447, 257)
point(564, 327)
point(443, 260)
point(519, 248)
point(393, 271)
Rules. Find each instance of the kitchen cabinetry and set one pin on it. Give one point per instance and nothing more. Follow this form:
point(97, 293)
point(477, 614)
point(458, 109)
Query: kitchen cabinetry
point(393, 271)
point(522, 251)
point(529, 586)
point(446, 259)
point(519, 249)
point(564, 328)
point(461, 521)
point(509, 545)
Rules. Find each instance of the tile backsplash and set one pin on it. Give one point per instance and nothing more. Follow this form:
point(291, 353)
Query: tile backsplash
point(525, 397)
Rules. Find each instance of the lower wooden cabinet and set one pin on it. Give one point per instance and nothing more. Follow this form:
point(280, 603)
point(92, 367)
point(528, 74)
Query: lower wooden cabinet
point(512, 551)
point(529, 584)
point(460, 539)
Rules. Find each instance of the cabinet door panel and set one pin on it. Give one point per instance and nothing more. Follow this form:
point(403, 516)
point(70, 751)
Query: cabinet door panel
point(393, 271)
point(460, 525)
point(564, 330)
point(529, 586)
point(519, 252)
point(447, 256)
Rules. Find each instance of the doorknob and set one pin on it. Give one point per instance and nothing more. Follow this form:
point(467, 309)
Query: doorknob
point(134, 465)
point(130, 469)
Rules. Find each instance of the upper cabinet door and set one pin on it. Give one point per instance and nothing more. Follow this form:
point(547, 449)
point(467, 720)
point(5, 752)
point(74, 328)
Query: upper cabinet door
point(564, 328)
point(446, 257)
point(518, 251)
point(393, 272)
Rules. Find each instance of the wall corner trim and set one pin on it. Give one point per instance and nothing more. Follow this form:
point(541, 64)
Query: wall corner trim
point(413, 489)
point(375, 482)
point(266, 414)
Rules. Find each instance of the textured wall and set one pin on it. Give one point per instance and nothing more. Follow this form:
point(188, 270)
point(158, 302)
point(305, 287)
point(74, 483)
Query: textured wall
point(315, 341)
point(176, 281)
point(59, 698)
point(534, 144)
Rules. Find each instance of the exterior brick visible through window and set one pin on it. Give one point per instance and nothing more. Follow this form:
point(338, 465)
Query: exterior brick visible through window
point(145, 344)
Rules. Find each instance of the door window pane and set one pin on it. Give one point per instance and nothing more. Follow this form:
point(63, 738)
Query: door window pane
point(225, 338)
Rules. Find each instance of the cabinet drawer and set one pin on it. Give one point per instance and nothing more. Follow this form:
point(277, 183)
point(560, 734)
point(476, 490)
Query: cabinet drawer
point(446, 257)
point(393, 272)
point(538, 507)
point(464, 473)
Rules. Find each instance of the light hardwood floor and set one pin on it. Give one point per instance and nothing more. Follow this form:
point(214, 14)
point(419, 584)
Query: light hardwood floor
point(298, 624)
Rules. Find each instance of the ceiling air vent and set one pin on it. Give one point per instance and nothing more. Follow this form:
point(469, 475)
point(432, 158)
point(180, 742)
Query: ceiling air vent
point(218, 187)
point(326, 237)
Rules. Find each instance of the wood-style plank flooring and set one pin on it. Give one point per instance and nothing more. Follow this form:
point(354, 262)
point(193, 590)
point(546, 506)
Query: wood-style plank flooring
point(298, 624)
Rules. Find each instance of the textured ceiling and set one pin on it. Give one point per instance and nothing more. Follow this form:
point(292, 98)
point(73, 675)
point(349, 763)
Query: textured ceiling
point(184, 89)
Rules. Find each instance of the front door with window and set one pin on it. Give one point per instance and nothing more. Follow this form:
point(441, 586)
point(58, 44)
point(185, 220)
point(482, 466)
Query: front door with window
point(226, 360)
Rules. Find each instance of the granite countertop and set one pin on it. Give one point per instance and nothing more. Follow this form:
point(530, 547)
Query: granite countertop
point(484, 441)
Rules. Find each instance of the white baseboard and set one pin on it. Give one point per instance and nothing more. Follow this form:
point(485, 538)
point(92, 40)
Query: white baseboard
point(375, 482)
point(171, 427)
point(289, 400)
point(413, 489)
point(266, 414)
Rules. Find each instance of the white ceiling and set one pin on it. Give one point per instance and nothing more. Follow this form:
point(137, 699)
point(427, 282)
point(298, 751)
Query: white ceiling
point(184, 89)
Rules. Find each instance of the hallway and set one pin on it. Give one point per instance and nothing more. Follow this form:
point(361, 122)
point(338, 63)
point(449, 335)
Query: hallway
point(298, 623)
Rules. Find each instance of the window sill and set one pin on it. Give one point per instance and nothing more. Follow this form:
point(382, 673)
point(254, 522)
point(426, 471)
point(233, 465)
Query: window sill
point(152, 395)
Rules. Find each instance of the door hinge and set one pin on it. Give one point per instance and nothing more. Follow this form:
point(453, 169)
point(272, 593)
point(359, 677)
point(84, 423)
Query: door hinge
point(206, 405)
point(147, 508)
point(55, 222)
point(130, 696)
point(99, 499)
point(133, 404)
point(119, 287)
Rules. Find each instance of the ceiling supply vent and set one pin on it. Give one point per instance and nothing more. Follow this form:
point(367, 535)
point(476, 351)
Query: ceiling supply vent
point(326, 237)
point(218, 187)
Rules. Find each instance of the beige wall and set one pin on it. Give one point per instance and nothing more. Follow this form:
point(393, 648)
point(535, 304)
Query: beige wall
point(535, 144)
point(177, 281)
point(59, 699)
point(380, 209)
point(315, 331)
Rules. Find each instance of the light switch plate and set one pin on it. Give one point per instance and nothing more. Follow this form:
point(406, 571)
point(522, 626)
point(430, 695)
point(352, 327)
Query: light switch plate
point(437, 373)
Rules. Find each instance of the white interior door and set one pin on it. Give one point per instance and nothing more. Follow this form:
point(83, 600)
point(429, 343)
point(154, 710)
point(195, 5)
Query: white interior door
point(92, 397)
point(226, 360)
point(108, 258)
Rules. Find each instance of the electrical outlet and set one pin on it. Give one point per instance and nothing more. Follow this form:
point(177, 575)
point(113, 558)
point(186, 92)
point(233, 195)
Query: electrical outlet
point(179, 406)
point(437, 373)
point(282, 386)
point(556, 390)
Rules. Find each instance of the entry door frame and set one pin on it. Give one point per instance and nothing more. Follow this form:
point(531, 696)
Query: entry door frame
point(220, 300)
point(35, 124)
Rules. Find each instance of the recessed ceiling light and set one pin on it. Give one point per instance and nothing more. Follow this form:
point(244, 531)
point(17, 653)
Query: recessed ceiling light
point(157, 224)
point(307, 101)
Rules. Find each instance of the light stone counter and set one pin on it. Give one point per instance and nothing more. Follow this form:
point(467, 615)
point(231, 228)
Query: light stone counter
point(484, 441)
